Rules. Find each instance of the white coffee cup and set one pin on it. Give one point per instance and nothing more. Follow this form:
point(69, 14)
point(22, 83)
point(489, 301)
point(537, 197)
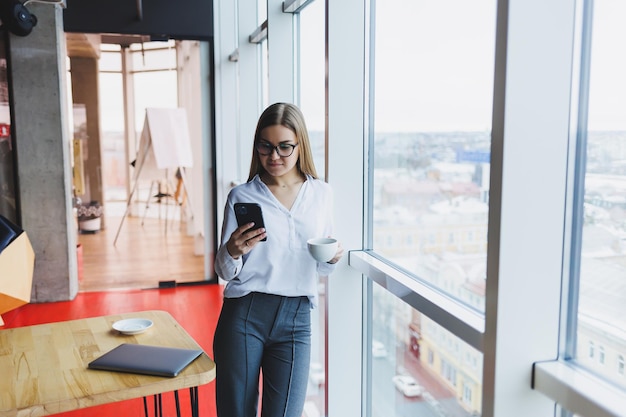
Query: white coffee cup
point(323, 249)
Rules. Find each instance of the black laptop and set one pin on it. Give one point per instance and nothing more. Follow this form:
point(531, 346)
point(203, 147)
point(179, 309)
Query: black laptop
point(145, 359)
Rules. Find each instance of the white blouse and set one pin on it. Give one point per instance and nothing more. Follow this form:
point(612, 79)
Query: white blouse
point(281, 265)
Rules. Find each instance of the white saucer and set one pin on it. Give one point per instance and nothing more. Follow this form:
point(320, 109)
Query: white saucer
point(132, 326)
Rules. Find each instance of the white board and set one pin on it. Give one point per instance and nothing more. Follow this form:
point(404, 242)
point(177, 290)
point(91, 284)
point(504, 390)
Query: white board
point(165, 142)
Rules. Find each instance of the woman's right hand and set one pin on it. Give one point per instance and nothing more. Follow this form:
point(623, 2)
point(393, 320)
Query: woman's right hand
point(243, 239)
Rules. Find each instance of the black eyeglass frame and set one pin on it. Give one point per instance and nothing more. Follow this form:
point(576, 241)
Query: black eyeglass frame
point(263, 147)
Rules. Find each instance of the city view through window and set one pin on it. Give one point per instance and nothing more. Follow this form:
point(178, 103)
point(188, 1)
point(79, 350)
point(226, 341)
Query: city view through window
point(431, 196)
point(433, 94)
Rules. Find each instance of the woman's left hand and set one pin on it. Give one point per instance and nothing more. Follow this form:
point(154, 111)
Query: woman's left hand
point(338, 255)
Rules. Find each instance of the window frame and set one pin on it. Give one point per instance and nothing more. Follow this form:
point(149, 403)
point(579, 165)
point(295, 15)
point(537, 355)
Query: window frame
point(563, 380)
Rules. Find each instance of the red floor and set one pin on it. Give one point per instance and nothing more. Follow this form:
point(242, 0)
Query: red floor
point(196, 308)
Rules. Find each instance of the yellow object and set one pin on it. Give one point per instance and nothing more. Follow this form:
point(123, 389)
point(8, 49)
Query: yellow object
point(17, 262)
point(179, 186)
point(78, 171)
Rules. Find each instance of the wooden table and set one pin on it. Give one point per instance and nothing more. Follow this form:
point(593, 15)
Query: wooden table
point(43, 368)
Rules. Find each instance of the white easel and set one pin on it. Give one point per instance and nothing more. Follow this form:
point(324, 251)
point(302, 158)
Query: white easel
point(164, 145)
point(161, 195)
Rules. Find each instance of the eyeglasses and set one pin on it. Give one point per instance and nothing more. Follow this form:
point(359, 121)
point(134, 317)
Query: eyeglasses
point(283, 149)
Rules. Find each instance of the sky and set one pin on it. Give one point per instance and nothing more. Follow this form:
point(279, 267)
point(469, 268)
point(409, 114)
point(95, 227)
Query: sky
point(429, 76)
point(434, 65)
point(434, 68)
point(607, 96)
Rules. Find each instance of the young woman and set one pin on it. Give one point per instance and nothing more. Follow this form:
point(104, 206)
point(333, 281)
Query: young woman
point(264, 326)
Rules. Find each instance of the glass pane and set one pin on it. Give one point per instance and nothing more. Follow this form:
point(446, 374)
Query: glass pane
point(152, 58)
point(601, 340)
point(113, 141)
point(165, 95)
point(315, 404)
point(169, 44)
point(312, 103)
point(313, 78)
point(110, 61)
point(154, 89)
point(109, 47)
point(432, 117)
point(419, 368)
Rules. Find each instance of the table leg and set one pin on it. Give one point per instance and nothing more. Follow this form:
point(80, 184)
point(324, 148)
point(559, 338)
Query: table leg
point(193, 394)
point(177, 403)
point(158, 404)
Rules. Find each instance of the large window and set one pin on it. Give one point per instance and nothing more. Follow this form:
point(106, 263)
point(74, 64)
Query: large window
point(112, 116)
point(433, 91)
point(153, 68)
point(433, 95)
point(601, 337)
point(155, 75)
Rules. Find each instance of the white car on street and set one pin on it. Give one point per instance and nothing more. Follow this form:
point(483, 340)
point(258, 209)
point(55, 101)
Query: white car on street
point(407, 385)
point(378, 349)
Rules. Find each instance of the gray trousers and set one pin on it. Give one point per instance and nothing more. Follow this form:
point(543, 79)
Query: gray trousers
point(268, 335)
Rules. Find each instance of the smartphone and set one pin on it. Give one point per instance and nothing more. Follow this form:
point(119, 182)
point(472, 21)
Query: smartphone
point(249, 212)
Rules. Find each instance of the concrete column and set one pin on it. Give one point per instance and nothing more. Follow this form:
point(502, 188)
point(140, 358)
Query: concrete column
point(84, 72)
point(40, 110)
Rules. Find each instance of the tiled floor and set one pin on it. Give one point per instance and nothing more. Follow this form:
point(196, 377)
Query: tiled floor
point(196, 308)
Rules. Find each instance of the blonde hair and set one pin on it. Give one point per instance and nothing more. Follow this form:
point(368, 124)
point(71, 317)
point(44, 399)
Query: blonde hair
point(290, 116)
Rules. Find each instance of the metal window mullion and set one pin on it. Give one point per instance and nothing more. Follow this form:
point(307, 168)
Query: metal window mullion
point(345, 60)
point(226, 100)
point(259, 34)
point(572, 279)
point(526, 203)
point(460, 320)
point(250, 88)
point(295, 6)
